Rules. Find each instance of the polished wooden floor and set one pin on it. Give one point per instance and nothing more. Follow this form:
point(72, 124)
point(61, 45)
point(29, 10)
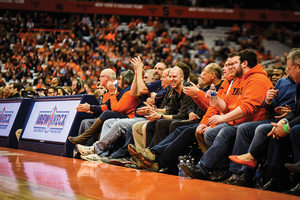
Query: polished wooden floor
point(31, 175)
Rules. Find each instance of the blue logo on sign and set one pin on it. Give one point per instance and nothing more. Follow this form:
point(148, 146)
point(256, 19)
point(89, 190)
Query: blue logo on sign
point(5, 118)
point(51, 120)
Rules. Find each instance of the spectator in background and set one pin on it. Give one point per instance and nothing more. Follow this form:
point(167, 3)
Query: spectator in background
point(78, 86)
point(148, 76)
point(30, 24)
point(40, 84)
point(13, 79)
point(100, 90)
point(14, 89)
point(88, 88)
point(278, 73)
point(60, 91)
point(6, 92)
point(1, 92)
point(270, 73)
point(86, 20)
point(56, 82)
point(52, 91)
point(68, 90)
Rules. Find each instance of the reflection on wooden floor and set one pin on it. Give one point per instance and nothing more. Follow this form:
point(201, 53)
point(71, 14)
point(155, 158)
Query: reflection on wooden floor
point(31, 175)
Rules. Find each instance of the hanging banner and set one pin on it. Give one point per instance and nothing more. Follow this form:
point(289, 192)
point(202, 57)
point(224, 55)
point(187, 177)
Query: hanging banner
point(151, 10)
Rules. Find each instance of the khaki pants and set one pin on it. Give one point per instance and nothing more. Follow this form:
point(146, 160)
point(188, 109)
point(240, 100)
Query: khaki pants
point(139, 133)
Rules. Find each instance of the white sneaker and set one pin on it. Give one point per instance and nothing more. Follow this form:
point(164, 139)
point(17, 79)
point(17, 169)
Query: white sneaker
point(85, 150)
point(91, 157)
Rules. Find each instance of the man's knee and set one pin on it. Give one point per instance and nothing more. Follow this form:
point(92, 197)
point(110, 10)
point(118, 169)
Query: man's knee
point(294, 133)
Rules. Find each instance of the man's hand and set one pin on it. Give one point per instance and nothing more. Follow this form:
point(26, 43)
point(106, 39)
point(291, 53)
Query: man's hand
point(200, 129)
point(111, 88)
point(193, 117)
point(83, 108)
point(191, 90)
point(271, 94)
point(143, 110)
point(137, 63)
point(153, 116)
point(277, 130)
point(216, 119)
point(284, 111)
point(150, 101)
point(153, 107)
point(205, 129)
point(208, 94)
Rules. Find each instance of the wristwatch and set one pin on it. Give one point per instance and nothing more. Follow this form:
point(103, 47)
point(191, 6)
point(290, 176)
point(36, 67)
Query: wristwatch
point(161, 116)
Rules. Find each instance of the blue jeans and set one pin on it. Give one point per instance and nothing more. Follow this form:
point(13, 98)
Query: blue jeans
point(212, 133)
point(221, 146)
point(245, 137)
point(170, 138)
point(123, 151)
point(295, 138)
point(259, 135)
point(118, 128)
point(167, 155)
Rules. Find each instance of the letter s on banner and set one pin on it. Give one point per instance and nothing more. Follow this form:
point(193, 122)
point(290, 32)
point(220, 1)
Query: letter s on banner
point(166, 11)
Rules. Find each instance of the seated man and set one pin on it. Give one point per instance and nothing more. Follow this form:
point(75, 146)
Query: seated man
point(121, 105)
point(146, 110)
point(283, 138)
point(106, 76)
point(251, 134)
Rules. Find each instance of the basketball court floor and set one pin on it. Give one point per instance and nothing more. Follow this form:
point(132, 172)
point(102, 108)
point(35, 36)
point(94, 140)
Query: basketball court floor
point(31, 175)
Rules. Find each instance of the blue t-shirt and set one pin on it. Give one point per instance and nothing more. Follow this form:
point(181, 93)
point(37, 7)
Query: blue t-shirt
point(285, 95)
point(152, 87)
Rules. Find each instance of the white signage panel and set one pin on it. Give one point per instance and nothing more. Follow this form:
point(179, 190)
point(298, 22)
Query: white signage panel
point(51, 120)
point(8, 113)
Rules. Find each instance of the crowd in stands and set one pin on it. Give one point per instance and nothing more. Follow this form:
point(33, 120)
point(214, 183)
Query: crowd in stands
point(34, 57)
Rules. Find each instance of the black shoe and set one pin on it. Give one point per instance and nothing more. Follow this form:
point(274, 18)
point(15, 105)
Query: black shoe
point(77, 155)
point(293, 167)
point(294, 191)
point(242, 181)
point(276, 186)
point(230, 179)
point(221, 177)
point(194, 172)
point(217, 172)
